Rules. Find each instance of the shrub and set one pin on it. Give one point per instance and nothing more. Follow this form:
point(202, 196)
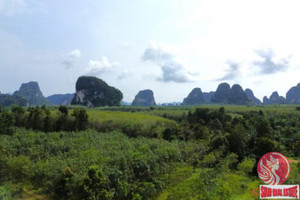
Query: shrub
point(7, 122)
point(96, 185)
point(18, 167)
point(246, 166)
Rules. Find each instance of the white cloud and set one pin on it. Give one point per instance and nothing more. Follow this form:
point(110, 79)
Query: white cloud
point(158, 53)
point(72, 57)
point(75, 53)
point(97, 67)
point(165, 57)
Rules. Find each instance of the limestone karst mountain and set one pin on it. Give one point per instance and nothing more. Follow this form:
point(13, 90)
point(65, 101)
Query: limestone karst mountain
point(144, 98)
point(31, 91)
point(94, 92)
point(293, 95)
point(195, 97)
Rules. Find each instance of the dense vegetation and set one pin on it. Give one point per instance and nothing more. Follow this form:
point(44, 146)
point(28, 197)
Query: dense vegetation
point(8, 100)
point(141, 153)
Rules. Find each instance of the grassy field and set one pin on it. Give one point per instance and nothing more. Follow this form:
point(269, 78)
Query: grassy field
point(126, 117)
point(133, 124)
point(178, 111)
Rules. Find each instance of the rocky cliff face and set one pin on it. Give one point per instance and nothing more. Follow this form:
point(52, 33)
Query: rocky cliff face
point(222, 93)
point(251, 96)
point(238, 96)
point(266, 100)
point(31, 91)
point(195, 97)
point(293, 95)
point(144, 98)
point(274, 99)
point(61, 99)
point(208, 96)
point(94, 92)
point(227, 95)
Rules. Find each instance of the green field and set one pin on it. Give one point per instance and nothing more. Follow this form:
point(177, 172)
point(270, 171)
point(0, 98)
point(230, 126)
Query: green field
point(179, 110)
point(170, 153)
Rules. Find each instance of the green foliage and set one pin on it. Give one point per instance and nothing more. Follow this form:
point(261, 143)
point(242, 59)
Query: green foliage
point(8, 100)
point(7, 122)
point(238, 140)
point(10, 192)
point(125, 168)
point(63, 110)
point(19, 115)
point(96, 185)
point(64, 187)
point(264, 145)
point(246, 166)
point(205, 154)
point(81, 119)
point(132, 124)
point(19, 167)
point(219, 141)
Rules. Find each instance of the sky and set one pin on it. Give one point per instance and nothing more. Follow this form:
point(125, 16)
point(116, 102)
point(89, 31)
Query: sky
point(168, 46)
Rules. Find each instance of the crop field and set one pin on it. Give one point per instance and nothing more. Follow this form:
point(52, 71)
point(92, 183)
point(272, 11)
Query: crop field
point(165, 153)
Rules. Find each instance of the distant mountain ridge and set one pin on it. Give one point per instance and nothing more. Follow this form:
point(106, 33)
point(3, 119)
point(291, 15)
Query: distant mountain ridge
point(274, 99)
point(233, 95)
point(60, 99)
point(93, 92)
point(223, 95)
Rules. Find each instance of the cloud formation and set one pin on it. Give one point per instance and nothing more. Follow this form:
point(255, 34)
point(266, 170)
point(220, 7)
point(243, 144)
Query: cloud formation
point(97, 67)
point(158, 53)
point(232, 72)
point(268, 63)
point(164, 57)
point(72, 57)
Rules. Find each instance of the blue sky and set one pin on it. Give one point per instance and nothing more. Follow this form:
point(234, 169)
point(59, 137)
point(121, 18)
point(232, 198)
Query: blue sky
point(169, 46)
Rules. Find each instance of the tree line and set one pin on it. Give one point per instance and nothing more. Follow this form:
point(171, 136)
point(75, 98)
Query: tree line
point(42, 119)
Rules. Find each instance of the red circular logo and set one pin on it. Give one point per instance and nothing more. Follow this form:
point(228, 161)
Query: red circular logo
point(273, 168)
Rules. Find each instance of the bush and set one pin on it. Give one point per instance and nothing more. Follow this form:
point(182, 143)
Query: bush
point(264, 145)
point(96, 185)
point(246, 166)
point(7, 122)
point(18, 167)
